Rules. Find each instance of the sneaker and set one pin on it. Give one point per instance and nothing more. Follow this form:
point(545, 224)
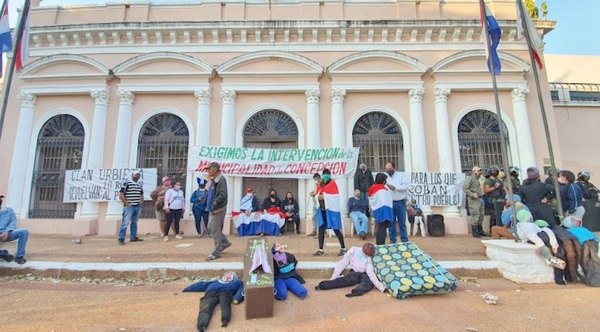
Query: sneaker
point(122, 242)
point(556, 262)
point(20, 260)
point(136, 239)
point(166, 238)
point(319, 253)
point(225, 246)
point(342, 252)
point(6, 256)
point(212, 257)
point(363, 235)
point(179, 237)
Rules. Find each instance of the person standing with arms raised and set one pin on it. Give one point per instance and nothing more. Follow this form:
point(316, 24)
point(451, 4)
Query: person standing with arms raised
point(216, 202)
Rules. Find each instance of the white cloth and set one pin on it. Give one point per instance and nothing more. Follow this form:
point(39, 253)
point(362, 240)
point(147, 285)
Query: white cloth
point(246, 203)
point(256, 217)
point(529, 231)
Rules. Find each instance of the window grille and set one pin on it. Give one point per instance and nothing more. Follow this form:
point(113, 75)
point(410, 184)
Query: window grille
point(479, 140)
point(59, 148)
point(379, 139)
point(163, 144)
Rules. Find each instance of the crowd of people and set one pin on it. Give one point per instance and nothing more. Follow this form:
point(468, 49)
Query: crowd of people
point(556, 222)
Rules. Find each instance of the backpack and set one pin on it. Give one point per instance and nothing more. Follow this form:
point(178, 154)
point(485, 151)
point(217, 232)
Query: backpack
point(435, 225)
point(590, 262)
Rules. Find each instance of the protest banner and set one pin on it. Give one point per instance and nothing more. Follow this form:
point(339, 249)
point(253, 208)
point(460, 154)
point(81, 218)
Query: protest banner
point(277, 163)
point(435, 188)
point(103, 185)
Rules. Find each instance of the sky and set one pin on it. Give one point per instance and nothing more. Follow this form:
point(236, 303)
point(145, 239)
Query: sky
point(576, 29)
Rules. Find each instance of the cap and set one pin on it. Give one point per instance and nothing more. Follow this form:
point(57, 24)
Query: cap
point(135, 172)
point(533, 172)
point(213, 164)
point(248, 190)
point(166, 178)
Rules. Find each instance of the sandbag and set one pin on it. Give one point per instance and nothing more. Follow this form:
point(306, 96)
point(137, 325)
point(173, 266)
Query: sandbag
point(406, 270)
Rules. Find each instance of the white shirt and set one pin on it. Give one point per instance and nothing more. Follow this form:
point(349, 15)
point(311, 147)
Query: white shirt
point(400, 184)
point(174, 199)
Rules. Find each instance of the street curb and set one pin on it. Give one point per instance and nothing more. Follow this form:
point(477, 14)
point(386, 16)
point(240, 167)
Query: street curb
point(310, 269)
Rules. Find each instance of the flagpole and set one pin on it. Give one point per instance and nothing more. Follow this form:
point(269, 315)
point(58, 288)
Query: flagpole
point(542, 108)
point(503, 147)
point(11, 69)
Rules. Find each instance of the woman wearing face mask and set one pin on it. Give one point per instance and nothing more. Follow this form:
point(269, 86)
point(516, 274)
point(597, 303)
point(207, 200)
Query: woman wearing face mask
point(174, 208)
point(329, 215)
point(271, 202)
point(199, 209)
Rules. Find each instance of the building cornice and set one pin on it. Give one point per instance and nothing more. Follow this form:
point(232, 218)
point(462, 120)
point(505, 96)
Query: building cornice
point(255, 35)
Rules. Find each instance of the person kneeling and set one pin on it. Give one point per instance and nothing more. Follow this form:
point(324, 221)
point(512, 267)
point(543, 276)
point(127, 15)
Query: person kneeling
point(361, 273)
point(286, 276)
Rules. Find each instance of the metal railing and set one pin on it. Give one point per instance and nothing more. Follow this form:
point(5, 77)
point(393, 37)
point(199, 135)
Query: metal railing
point(575, 92)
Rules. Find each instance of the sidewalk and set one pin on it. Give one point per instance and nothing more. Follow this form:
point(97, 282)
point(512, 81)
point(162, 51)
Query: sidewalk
point(103, 257)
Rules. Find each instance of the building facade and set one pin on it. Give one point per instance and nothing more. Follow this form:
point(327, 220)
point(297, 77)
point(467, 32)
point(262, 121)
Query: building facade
point(141, 84)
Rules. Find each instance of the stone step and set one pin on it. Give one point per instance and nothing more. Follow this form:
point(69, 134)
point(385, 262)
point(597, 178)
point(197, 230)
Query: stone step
point(308, 269)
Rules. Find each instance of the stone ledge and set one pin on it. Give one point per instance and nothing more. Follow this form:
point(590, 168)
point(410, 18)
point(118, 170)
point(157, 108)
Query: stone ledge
point(518, 262)
point(308, 269)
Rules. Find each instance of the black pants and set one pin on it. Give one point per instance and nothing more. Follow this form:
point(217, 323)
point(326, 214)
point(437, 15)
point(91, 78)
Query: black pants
point(351, 279)
point(295, 219)
point(322, 236)
point(381, 232)
point(208, 303)
point(173, 217)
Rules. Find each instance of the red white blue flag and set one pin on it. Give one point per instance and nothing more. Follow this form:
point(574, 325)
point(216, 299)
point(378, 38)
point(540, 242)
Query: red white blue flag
point(524, 21)
point(5, 38)
point(381, 203)
point(493, 33)
point(22, 52)
point(331, 196)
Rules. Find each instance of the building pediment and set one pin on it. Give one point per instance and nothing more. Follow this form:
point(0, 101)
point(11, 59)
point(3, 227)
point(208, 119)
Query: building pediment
point(168, 64)
point(474, 62)
point(269, 63)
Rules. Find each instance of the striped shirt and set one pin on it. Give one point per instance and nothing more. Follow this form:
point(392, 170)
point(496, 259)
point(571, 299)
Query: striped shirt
point(133, 192)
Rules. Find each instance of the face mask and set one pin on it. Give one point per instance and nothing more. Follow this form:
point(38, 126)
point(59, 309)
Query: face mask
point(177, 188)
point(390, 172)
point(326, 177)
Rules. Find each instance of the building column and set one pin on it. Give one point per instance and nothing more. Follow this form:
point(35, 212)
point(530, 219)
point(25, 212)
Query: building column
point(203, 117)
point(417, 130)
point(228, 98)
point(122, 144)
point(89, 210)
point(525, 143)
point(313, 141)
point(338, 138)
point(313, 132)
point(15, 198)
point(444, 138)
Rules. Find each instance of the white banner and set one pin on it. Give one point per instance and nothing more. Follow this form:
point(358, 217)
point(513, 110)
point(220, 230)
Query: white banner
point(103, 185)
point(276, 163)
point(435, 188)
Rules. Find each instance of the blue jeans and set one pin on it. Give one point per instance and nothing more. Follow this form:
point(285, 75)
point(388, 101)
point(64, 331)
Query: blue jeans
point(21, 234)
point(400, 217)
point(361, 222)
point(131, 214)
point(199, 216)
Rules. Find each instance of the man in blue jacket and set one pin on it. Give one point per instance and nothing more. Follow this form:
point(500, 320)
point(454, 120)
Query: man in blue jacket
point(10, 232)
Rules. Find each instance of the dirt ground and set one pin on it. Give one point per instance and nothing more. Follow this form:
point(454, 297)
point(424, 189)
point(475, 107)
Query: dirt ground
point(67, 306)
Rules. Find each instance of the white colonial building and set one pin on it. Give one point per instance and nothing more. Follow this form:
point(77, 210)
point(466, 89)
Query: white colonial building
point(138, 84)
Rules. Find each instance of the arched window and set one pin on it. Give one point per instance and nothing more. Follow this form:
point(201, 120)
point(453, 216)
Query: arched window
point(271, 129)
point(479, 140)
point(59, 148)
point(163, 144)
point(380, 140)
